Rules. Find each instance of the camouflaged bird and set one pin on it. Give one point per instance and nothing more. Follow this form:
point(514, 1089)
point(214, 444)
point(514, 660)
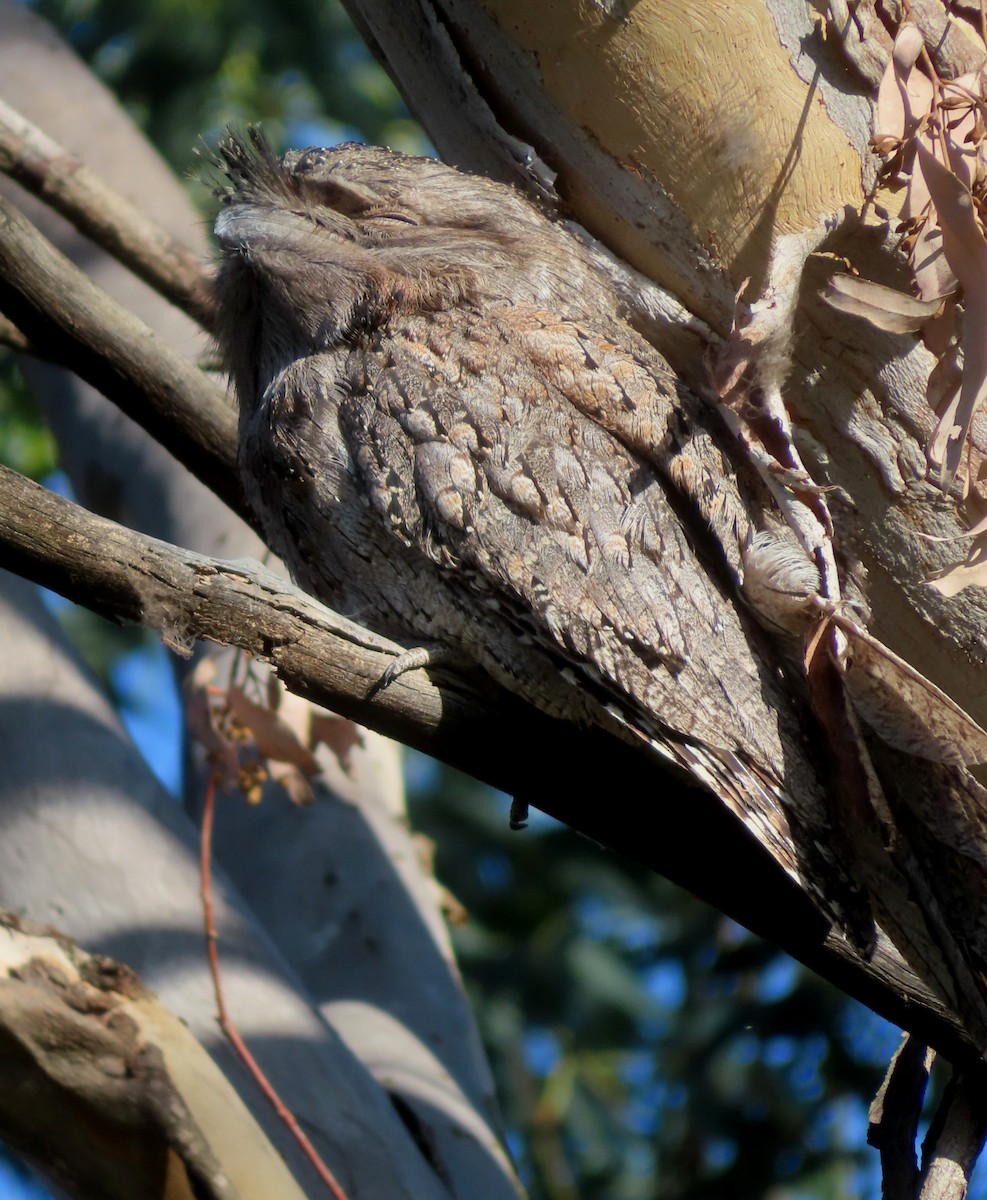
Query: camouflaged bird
point(452, 436)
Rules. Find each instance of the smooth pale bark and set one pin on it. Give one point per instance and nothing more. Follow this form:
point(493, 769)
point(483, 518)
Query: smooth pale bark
point(93, 845)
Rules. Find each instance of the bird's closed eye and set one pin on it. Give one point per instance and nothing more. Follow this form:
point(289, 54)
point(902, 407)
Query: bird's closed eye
point(404, 217)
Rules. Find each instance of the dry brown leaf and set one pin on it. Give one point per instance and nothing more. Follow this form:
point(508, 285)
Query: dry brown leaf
point(960, 117)
point(946, 406)
point(905, 709)
point(903, 92)
point(938, 334)
point(297, 786)
point(933, 276)
point(201, 721)
point(943, 388)
point(971, 573)
point(966, 252)
point(274, 738)
point(977, 529)
point(884, 307)
point(340, 736)
point(904, 124)
point(904, 102)
point(250, 780)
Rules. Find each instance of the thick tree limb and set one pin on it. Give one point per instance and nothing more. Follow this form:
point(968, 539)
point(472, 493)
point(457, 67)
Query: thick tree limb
point(110, 1089)
point(471, 724)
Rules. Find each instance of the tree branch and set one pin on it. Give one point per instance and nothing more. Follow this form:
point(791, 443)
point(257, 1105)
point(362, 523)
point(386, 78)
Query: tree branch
point(12, 337)
point(46, 169)
point(142, 1089)
point(468, 722)
point(955, 1137)
point(894, 1118)
point(55, 306)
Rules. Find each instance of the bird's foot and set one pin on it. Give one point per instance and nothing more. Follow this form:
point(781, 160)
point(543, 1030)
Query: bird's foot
point(411, 660)
point(519, 813)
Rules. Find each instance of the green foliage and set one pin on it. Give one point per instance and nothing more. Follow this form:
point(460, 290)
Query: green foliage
point(187, 68)
point(25, 443)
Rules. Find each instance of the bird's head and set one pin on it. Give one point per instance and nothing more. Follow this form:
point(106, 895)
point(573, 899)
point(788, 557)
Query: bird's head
point(323, 246)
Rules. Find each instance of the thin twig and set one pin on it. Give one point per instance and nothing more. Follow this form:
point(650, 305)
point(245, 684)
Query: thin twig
point(46, 169)
point(226, 1022)
point(12, 337)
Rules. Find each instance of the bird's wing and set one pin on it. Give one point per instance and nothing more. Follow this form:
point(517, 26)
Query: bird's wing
point(479, 458)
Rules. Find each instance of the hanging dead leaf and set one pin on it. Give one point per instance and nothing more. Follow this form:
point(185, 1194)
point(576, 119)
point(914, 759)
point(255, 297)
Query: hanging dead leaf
point(884, 307)
point(340, 736)
point(274, 738)
point(905, 709)
point(904, 95)
point(947, 374)
point(251, 777)
point(297, 786)
point(970, 573)
point(961, 109)
point(201, 721)
point(931, 273)
point(966, 252)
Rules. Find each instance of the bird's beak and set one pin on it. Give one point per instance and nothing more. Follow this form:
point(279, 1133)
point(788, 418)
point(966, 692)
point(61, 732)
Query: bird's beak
point(253, 227)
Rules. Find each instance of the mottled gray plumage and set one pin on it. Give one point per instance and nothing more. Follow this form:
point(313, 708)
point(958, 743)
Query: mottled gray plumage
point(452, 436)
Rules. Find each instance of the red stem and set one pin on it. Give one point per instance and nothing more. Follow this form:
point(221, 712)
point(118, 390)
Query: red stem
point(226, 1022)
